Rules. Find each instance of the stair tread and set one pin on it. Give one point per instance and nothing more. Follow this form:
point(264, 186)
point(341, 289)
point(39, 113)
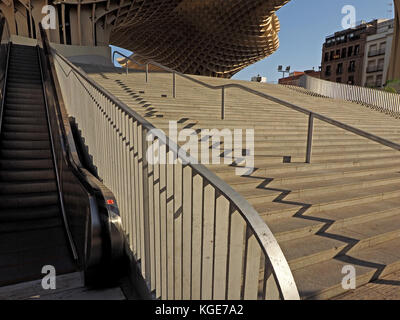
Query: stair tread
point(315, 280)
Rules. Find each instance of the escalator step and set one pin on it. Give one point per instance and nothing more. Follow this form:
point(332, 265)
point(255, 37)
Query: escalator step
point(24, 128)
point(21, 144)
point(12, 164)
point(7, 215)
point(34, 224)
point(25, 154)
point(24, 120)
point(20, 187)
point(24, 100)
point(26, 175)
point(25, 113)
point(33, 136)
point(24, 107)
point(28, 200)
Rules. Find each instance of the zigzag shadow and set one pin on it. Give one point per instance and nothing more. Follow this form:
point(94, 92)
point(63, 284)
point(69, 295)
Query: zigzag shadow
point(323, 231)
point(151, 111)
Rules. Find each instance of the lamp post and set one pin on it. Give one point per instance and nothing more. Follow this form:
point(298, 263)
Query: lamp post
point(280, 69)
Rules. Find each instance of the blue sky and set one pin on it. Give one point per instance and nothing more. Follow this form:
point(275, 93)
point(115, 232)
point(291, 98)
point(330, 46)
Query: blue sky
point(304, 26)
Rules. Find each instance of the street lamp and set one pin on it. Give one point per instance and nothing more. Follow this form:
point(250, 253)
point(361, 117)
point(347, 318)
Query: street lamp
point(280, 69)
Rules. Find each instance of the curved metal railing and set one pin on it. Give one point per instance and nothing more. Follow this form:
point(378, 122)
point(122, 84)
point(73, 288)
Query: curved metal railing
point(193, 235)
point(311, 115)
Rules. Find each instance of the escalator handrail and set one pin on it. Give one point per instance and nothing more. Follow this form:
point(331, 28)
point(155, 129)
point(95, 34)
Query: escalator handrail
point(88, 180)
point(56, 171)
point(3, 89)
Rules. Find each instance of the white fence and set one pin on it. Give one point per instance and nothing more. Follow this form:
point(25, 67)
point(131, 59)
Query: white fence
point(380, 100)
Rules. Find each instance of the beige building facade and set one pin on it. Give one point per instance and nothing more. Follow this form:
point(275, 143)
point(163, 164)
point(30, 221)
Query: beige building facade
point(394, 67)
point(377, 54)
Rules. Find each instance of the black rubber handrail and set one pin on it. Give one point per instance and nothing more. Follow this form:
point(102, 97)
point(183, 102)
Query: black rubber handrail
point(5, 75)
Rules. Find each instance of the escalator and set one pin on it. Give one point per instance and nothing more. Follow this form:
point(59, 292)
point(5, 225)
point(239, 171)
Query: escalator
point(31, 224)
point(52, 210)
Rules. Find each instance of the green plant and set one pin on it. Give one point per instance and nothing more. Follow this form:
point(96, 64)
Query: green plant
point(393, 86)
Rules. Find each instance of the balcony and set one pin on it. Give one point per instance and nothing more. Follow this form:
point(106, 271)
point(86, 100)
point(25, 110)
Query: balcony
point(374, 53)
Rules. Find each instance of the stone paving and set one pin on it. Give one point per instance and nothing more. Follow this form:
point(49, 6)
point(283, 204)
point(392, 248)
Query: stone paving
point(387, 288)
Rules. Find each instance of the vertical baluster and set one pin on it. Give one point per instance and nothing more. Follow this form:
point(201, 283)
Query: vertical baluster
point(157, 218)
point(252, 267)
point(197, 222)
point(170, 227)
point(235, 258)
point(187, 232)
point(221, 248)
point(208, 242)
point(178, 229)
point(163, 214)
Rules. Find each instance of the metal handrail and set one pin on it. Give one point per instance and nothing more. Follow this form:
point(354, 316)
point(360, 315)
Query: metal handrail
point(312, 115)
point(263, 234)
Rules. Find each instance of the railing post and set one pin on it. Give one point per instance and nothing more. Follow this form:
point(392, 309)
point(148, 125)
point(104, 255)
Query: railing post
point(223, 103)
point(309, 137)
point(174, 84)
point(147, 72)
point(146, 212)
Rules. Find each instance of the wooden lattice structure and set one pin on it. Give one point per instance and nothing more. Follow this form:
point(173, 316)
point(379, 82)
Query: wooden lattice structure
point(208, 37)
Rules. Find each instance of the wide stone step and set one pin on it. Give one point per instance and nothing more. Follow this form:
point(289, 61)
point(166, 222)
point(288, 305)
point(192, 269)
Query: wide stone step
point(324, 280)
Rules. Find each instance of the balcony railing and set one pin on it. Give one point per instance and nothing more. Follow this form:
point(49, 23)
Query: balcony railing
point(374, 53)
point(371, 69)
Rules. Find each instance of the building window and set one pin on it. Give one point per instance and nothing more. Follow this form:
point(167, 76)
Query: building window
point(331, 57)
point(328, 71)
point(381, 63)
point(337, 54)
point(379, 80)
point(351, 80)
point(339, 69)
point(326, 57)
point(370, 81)
point(350, 52)
point(356, 50)
point(352, 66)
point(344, 53)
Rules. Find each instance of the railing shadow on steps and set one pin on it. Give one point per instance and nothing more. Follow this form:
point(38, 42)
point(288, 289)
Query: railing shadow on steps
point(193, 235)
point(311, 115)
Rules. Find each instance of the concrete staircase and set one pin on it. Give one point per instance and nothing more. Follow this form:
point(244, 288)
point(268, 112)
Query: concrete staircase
point(342, 209)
